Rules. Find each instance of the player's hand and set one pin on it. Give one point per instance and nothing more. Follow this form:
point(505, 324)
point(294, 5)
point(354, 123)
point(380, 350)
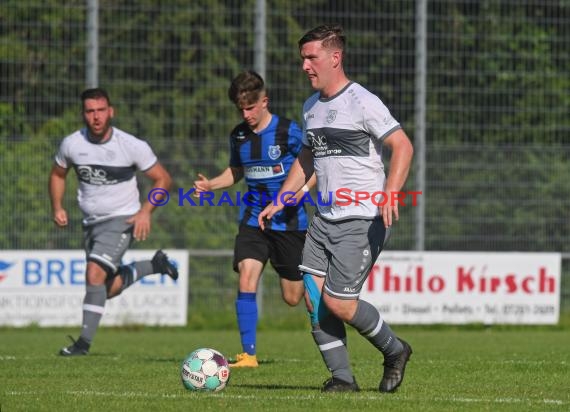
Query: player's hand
point(201, 185)
point(141, 225)
point(267, 213)
point(389, 212)
point(60, 217)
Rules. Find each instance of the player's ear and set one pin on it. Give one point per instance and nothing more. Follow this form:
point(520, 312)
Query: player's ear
point(264, 100)
point(336, 56)
point(111, 112)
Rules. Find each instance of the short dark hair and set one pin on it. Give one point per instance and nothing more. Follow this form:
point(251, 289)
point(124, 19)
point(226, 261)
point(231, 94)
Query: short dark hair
point(331, 36)
point(95, 93)
point(246, 88)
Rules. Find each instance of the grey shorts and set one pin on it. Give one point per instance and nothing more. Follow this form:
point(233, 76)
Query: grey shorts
point(107, 242)
point(343, 252)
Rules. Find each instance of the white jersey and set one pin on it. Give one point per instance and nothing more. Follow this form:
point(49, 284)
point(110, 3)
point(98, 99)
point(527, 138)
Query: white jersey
point(345, 133)
point(106, 172)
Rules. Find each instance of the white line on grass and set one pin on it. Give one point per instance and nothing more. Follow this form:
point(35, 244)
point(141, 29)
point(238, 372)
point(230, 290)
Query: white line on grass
point(502, 362)
point(296, 397)
point(501, 400)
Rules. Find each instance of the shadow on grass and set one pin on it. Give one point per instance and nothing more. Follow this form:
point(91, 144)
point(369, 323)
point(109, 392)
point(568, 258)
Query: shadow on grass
point(300, 387)
point(275, 386)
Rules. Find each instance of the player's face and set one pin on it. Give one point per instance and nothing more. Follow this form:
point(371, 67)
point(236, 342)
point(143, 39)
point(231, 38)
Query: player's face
point(254, 114)
point(318, 64)
point(97, 115)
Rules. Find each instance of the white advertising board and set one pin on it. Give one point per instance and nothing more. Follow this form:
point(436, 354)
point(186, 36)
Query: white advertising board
point(46, 288)
point(466, 287)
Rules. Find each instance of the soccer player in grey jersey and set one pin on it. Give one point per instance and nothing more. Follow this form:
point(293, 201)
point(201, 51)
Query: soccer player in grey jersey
point(345, 128)
point(105, 160)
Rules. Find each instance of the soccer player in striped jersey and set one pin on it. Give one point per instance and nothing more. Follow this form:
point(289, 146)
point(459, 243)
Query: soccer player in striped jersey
point(263, 147)
point(105, 160)
point(345, 128)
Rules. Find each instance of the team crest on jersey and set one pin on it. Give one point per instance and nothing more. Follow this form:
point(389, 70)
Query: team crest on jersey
point(274, 152)
point(331, 116)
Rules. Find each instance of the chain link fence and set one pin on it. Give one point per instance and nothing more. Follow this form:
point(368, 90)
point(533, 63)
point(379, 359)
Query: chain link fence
point(497, 99)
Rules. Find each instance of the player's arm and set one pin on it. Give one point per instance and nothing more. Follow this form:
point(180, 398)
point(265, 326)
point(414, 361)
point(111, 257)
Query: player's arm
point(56, 185)
point(142, 219)
point(304, 190)
point(230, 176)
point(301, 172)
point(400, 162)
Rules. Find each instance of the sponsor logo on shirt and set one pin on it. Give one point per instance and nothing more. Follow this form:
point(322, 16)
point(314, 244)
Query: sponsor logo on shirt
point(104, 175)
point(264, 172)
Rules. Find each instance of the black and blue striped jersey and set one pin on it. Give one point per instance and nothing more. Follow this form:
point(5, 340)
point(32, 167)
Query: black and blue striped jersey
point(266, 158)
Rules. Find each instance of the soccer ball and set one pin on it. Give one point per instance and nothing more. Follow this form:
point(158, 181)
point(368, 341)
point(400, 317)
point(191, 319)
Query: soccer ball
point(205, 369)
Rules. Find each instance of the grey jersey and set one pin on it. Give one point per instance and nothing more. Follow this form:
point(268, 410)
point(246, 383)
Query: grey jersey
point(106, 172)
point(345, 133)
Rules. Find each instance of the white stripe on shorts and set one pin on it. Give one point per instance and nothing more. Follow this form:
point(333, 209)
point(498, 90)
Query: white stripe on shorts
point(107, 263)
point(93, 308)
point(342, 295)
point(332, 345)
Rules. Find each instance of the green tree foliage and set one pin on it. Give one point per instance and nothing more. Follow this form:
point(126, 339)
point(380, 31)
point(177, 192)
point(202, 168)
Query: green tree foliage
point(498, 129)
point(498, 67)
point(498, 95)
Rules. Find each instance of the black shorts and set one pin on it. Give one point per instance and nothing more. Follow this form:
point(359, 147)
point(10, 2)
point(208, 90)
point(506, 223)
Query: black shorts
point(282, 248)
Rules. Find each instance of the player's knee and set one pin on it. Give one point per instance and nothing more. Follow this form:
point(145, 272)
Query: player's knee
point(292, 291)
point(292, 298)
point(97, 274)
point(114, 287)
point(341, 308)
point(289, 301)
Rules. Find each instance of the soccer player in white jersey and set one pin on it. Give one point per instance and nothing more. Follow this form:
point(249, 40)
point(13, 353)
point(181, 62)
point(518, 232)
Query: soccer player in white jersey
point(345, 128)
point(105, 160)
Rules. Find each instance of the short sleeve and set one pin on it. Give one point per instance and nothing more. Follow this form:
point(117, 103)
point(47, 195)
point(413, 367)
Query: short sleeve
point(145, 158)
point(378, 121)
point(235, 159)
point(62, 156)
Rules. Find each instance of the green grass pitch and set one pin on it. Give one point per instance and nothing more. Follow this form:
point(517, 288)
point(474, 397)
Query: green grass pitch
point(137, 369)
